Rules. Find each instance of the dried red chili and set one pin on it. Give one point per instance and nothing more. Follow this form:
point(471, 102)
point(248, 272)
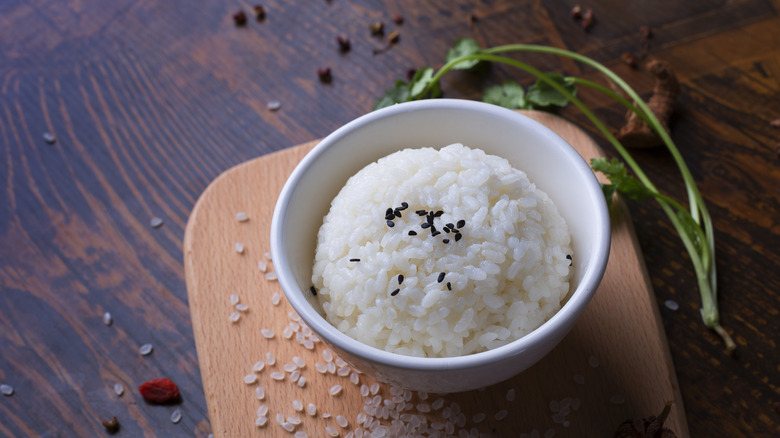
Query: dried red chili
point(159, 391)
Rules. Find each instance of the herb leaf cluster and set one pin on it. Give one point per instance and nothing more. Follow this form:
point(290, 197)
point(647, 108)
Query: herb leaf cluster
point(692, 223)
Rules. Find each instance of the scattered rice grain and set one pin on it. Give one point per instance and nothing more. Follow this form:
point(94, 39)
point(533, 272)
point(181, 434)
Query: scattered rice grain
point(274, 105)
point(156, 222)
point(234, 299)
point(7, 390)
point(295, 375)
point(270, 359)
point(242, 307)
point(332, 431)
point(146, 349)
point(234, 317)
point(301, 382)
point(261, 421)
point(354, 378)
point(311, 409)
point(239, 247)
point(267, 255)
point(301, 434)
point(294, 420)
point(342, 421)
point(478, 418)
point(258, 366)
point(270, 276)
point(593, 361)
point(176, 416)
point(250, 378)
point(277, 375)
point(289, 427)
point(297, 405)
point(119, 389)
point(300, 363)
point(500, 415)
point(671, 305)
point(276, 298)
point(107, 318)
point(335, 390)
point(262, 266)
point(267, 333)
point(262, 411)
point(290, 367)
point(510, 395)
point(242, 216)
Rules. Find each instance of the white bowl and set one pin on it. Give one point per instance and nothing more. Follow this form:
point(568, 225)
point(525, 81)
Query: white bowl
point(549, 161)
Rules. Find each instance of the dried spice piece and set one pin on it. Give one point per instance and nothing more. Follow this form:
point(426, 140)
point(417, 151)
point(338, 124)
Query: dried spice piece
point(112, 425)
point(344, 43)
point(628, 59)
point(646, 31)
point(159, 391)
point(259, 12)
point(377, 28)
point(636, 133)
point(398, 19)
point(588, 19)
point(576, 12)
point(239, 18)
point(325, 75)
point(650, 427)
point(393, 37)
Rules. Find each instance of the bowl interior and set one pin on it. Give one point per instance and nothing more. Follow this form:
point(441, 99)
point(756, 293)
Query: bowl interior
point(551, 163)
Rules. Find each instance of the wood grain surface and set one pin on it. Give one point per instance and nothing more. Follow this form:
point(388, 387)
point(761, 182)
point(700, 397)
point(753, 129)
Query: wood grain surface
point(149, 101)
point(615, 363)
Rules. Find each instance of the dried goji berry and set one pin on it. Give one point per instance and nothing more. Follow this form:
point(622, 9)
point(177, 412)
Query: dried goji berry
point(159, 391)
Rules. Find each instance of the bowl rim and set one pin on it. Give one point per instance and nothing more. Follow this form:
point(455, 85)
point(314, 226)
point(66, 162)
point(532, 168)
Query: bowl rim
point(576, 303)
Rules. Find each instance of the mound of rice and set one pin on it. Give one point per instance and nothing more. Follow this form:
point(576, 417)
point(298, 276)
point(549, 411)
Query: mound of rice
point(439, 253)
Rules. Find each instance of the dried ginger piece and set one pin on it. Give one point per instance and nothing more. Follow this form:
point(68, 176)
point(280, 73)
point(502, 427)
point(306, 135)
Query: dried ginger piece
point(636, 133)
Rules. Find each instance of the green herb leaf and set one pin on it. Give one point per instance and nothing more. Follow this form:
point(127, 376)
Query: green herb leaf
point(620, 179)
point(509, 95)
point(397, 94)
point(464, 47)
point(541, 94)
point(421, 81)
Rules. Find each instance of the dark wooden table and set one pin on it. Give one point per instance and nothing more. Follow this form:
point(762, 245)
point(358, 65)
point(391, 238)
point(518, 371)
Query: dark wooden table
point(148, 101)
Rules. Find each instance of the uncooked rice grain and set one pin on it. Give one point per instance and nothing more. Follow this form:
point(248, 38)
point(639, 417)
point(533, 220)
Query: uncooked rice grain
point(506, 272)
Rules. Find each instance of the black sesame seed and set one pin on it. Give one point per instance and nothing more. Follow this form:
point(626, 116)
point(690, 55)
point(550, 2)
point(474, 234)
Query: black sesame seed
point(438, 213)
point(445, 240)
point(450, 225)
point(458, 236)
point(430, 219)
point(313, 290)
point(395, 292)
point(461, 223)
point(425, 225)
point(389, 217)
point(390, 224)
point(421, 212)
point(397, 212)
point(446, 229)
point(403, 206)
point(441, 277)
point(412, 233)
point(449, 286)
point(568, 256)
point(435, 233)
point(354, 260)
point(400, 278)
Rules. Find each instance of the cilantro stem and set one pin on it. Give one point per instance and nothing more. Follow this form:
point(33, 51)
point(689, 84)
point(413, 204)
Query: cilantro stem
point(702, 255)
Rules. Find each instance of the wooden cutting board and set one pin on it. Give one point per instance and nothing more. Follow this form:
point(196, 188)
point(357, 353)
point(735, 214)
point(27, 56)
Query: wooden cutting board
point(614, 365)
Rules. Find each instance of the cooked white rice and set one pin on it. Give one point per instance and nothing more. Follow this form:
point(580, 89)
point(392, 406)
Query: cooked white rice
point(504, 276)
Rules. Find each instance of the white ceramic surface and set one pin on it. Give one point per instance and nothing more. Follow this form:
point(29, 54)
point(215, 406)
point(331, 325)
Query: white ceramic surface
point(548, 160)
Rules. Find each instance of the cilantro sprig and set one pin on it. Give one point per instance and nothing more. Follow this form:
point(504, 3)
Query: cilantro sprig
point(692, 223)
